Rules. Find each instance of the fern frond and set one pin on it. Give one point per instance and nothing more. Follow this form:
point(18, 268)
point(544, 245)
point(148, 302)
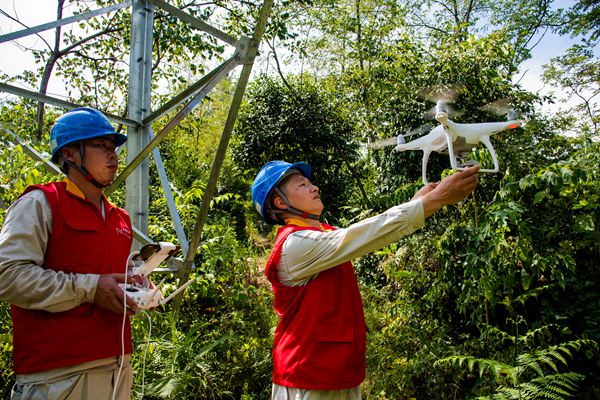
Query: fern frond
point(529, 361)
point(555, 387)
point(492, 331)
point(557, 390)
point(567, 381)
point(548, 358)
point(522, 391)
point(530, 336)
point(500, 370)
point(558, 386)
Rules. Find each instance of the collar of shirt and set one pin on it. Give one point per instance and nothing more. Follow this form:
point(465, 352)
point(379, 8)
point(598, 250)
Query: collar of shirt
point(74, 189)
point(299, 222)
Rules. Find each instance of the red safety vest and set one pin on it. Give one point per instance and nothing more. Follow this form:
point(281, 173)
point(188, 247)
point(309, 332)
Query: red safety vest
point(81, 242)
point(321, 336)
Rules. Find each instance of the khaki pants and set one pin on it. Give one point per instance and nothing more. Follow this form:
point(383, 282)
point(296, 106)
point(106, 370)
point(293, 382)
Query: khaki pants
point(287, 393)
point(93, 380)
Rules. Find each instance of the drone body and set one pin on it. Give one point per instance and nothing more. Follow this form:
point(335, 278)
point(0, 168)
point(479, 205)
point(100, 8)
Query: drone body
point(456, 140)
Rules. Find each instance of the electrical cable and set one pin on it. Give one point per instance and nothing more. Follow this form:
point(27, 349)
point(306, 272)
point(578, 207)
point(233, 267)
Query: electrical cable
point(147, 284)
point(146, 352)
point(116, 382)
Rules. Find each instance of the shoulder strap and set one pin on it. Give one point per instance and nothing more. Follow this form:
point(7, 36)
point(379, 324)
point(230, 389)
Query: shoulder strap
point(52, 191)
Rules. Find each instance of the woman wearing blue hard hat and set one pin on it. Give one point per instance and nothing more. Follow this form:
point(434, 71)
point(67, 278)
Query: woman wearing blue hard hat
point(63, 251)
point(320, 340)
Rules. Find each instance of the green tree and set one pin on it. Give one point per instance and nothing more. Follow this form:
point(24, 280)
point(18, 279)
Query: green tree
point(578, 73)
point(342, 34)
point(582, 19)
point(92, 57)
point(298, 125)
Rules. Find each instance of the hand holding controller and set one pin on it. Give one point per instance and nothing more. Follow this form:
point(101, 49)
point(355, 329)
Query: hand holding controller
point(144, 262)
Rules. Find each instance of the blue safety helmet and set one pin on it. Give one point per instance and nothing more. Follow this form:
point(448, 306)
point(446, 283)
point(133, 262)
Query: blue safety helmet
point(81, 124)
point(267, 179)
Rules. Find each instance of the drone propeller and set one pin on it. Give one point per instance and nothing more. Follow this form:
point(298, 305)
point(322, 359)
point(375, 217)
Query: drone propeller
point(380, 144)
point(445, 93)
point(440, 106)
point(441, 95)
point(503, 106)
point(422, 129)
point(400, 138)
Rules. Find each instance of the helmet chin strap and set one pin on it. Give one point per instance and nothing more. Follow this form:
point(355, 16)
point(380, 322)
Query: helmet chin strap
point(81, 168)
point(292, 209)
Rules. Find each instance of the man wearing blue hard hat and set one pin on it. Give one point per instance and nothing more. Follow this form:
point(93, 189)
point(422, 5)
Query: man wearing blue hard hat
point(320, 340)
point(63, 250)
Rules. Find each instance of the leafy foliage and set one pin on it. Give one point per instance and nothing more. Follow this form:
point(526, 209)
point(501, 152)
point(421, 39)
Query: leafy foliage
point(298, 124)
point(218, 344)
point(508, 278)
point(6, 371)
point(528, 378)
point(577, 72)
point(461, 285)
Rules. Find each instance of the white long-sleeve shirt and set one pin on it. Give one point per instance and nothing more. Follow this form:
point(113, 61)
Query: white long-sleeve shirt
point(308, 252)
point(23, 282)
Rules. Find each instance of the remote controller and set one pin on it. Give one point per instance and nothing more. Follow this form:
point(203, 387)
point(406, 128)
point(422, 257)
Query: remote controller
point(144, 262)
point(144, 297)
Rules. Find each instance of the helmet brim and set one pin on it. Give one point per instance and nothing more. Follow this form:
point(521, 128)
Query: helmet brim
point(304, 169)
point(119, 139)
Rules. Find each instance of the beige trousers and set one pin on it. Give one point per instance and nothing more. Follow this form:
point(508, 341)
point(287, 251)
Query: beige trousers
point(287, 393)
point(94, 380)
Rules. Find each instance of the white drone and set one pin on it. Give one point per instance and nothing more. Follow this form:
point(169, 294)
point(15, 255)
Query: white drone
point(456, 140)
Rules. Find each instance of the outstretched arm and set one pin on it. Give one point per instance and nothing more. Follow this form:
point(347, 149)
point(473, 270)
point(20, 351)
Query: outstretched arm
point(307, 252)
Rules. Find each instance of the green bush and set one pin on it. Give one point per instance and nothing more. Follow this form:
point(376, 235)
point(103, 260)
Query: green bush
point(530, 256)
point(217, 345)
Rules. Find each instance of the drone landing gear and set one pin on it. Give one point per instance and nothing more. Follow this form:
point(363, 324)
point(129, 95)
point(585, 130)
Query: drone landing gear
point(460, 154)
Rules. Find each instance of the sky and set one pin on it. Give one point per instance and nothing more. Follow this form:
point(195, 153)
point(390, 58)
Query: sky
point(13, 58)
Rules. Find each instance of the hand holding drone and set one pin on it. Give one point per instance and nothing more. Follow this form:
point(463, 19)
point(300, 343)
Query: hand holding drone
point(144, 262)
point(456, 140)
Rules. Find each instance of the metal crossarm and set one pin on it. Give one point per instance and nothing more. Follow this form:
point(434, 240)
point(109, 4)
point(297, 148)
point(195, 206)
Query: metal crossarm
point(141, 156)
point(29, 94)
point(164, 181)
point(216, 73)
point(63, 21)
point(227, 130)
point(195, 22)
point(141, 140)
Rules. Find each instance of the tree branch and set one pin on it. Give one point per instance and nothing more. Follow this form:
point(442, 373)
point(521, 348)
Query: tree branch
point(285, 82)
point(25, 26)
point(68, 49)
point(54, 55)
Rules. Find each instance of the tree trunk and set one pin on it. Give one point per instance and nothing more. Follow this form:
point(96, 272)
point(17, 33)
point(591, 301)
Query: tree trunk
point(361, 61)
point(54, 55)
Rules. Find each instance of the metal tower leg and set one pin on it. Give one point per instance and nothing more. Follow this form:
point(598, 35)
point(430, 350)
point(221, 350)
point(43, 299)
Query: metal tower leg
point(138, 106)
